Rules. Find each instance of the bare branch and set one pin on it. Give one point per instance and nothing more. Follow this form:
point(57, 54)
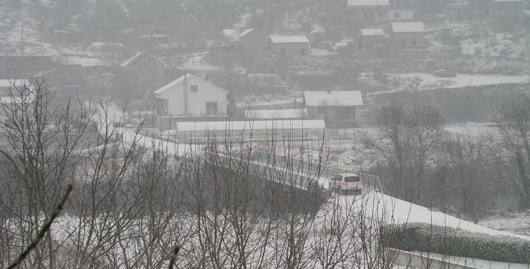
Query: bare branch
point(45, 228)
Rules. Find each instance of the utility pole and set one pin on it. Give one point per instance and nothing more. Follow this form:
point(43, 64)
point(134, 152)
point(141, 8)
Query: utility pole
point(22, 39)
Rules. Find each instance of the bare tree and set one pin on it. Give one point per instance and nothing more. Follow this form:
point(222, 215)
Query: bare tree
point(513, 124)
point(39, 160)
point(471, 176)
point(410, 139)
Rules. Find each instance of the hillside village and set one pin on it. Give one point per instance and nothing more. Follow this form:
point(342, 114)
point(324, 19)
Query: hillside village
point(265, 56)
point(426, 102)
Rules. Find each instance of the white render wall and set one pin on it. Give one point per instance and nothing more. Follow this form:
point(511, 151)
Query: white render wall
point(180, 94)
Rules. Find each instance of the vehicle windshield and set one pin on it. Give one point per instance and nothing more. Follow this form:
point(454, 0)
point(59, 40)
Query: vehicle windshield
point(352, 179)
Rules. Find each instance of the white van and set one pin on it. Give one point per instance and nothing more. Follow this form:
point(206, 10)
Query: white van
point(346, 183)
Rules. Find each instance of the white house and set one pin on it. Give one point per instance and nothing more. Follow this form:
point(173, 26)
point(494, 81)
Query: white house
point(190, 97)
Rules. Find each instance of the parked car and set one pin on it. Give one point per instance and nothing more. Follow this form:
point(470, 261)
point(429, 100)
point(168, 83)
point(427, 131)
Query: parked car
point(444, 73)
point(346, 183)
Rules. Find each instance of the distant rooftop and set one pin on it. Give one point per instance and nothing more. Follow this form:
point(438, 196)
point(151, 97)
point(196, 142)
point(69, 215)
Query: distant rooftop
point(372, 32)
point(407, 27)
point(289, 39)
point(180, 80)
point(83, 61)
point(353, 3)
point(130, 59)
point(8, 83)
point(231, 34)
point(244, 33)
point(333, 98)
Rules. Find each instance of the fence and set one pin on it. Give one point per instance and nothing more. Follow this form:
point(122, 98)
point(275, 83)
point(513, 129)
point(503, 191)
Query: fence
point(326, 171)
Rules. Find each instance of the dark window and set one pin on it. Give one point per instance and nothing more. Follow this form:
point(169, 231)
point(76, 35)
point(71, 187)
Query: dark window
point(500, 6)
point(381, 14)
point(413, 42)
point(403, 42)
point(515, 5)
point(321, 110)
point(351, 179)
point(194, 88)
point(302, 51)
point(211, 108)
point(282, 51)
point(397, 15)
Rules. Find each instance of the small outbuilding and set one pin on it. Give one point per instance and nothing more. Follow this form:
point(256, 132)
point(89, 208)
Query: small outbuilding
point(252, 40)
point(408, 34)
point(289, 45)
point(337, 108)
point(372, 38)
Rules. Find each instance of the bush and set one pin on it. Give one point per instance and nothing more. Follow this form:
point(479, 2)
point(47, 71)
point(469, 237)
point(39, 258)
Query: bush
point(456, 242)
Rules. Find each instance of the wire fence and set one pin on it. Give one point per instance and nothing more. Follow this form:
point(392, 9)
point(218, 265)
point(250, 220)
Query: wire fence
point(327, 171)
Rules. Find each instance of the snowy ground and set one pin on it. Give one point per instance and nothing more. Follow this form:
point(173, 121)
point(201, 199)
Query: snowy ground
point(425, 81)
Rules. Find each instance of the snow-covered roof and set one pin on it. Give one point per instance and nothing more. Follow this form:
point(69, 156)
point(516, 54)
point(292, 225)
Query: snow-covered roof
point(276, 114)
point(354, 3)
point(333, 98)
point(250, 125)
point(244, 33)
point(8, 83)
point(372, 32)
point(83, 61)
point(231, 34)
point(407, 27)
point(508, 0)
point(130, 59)
point(289, 39)
point(180, 80)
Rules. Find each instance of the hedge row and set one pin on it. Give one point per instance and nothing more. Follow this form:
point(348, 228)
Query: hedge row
point(456, 242)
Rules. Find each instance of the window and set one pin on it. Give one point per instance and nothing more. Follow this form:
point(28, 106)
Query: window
point(282, 51)
point(500, 6)
point(211, 108)
point(368, 16)
point(194, 88)
point(403, 42)
point(397, 15)
point(413, 42)
point(381, 14)
point(321, 110)
point(302, 51)
point(515, 5)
